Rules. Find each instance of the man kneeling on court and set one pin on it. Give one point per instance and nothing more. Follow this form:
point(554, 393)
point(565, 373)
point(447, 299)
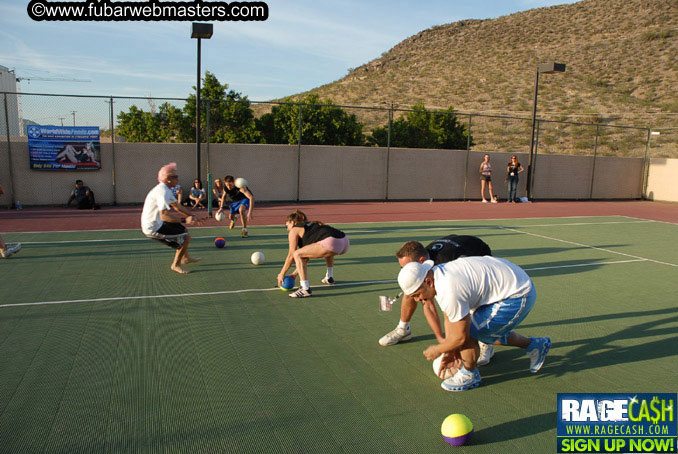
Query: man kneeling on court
point(442, 250)
point(483, 299)
point(160, 223)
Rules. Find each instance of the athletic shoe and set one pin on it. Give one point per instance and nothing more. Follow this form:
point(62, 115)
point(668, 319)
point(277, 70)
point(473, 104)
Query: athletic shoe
point(328, 280)
point(244, 233)
point(397, 335)
point(11, 250)
point(232, 224)
point(301, 293)
point(493, 201)
point(486, 353)
point(537, 351)
point(484, 201)
point(461, 381)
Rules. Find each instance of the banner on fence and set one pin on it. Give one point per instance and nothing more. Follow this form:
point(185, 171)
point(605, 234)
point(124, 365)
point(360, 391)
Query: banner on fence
point(64, 147)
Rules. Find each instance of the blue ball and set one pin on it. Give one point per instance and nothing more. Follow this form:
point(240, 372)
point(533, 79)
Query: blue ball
point(287, 283)
point(220, 242)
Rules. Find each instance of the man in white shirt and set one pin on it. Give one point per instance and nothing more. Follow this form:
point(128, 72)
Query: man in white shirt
point(483, 299)
point(160, 223)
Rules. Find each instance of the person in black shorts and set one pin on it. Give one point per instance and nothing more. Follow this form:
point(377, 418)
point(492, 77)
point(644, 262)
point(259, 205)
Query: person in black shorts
point(162, 218)
point(442, 250)
point(310, 240)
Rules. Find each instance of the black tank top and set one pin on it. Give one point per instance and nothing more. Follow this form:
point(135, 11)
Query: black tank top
point(234, 195)
point(452, 247)
point(314, 232)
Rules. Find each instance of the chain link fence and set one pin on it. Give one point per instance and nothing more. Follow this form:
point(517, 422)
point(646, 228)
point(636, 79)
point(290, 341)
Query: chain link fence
point(148, 121)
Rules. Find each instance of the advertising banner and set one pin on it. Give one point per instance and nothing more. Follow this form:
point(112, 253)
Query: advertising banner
point(64, 147)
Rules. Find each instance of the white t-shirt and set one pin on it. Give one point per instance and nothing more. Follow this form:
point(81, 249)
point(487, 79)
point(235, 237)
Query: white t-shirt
point(158, 199)
point(470, 282)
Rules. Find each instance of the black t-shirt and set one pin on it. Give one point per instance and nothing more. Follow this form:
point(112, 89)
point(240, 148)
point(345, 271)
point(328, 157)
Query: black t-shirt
point(513, 169)
point(452, 247)
point(234, 195)
point(314, 232)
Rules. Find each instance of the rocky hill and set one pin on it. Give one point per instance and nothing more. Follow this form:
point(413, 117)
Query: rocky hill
point(621, 57)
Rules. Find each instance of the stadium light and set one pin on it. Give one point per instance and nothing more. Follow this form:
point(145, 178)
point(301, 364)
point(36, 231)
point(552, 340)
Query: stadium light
point(544, 68)
point(199, 32)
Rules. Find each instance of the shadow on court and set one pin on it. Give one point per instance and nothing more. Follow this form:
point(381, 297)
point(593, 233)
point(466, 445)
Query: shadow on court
point(593, 352)
point(512, 430)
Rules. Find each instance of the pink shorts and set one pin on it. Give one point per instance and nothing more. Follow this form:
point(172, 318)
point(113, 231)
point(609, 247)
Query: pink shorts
point(337, 245)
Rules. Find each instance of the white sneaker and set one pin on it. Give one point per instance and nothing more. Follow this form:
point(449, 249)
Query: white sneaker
point(328, 280)
point(301, 293)
point(484, 201)
point(397, 335)
point(493, 201)
point(11, 250)
point(462, 381)
point(537, 351)
point(486, 353)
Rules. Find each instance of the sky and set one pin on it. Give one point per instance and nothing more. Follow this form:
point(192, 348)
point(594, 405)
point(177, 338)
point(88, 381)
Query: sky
point(302, 45)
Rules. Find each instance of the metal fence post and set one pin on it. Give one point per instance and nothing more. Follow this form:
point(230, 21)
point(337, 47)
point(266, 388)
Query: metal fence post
point(534, 162)
point(388, 148)
point(207, 106)
point(468, 153)
point(646, 166)
point(593, 169)
point(299, 155)
point(9, 154)
point(112, 127)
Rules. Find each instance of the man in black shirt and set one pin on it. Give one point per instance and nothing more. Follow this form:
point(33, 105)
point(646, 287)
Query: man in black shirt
point(83, 196)
point(442, 250)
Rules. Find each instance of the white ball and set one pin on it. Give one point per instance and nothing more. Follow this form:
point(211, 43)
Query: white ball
point(240, 182)
point(436, 366)
point(219, 216)
point(258, 258)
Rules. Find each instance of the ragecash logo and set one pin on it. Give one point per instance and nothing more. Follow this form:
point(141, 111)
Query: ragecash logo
point(633, 423)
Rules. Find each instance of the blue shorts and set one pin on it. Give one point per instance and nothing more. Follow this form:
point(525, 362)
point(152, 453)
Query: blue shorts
point(235, 206)
point(494, 322)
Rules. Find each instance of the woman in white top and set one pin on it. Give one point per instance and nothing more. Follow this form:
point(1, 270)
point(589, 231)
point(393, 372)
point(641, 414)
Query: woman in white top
point(486, 179)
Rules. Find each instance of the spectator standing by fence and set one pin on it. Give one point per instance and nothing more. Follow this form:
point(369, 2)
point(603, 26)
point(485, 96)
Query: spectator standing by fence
point(486, 179)
point(512, 170)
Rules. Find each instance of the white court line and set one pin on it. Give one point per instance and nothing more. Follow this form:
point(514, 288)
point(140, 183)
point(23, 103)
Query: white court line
point(342, 223)
point(179, 295)
point(446, 228)
point(231, 292)
point(590, 247)
point(650, 220)
point(583, 264)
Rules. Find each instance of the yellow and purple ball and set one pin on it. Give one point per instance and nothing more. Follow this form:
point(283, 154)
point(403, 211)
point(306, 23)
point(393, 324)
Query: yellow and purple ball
point(457, 429)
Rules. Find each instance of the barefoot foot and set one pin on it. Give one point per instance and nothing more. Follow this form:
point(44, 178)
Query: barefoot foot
point(179, 269)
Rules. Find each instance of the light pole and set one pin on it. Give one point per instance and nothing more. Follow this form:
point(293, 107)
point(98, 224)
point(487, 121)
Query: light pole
point(544, 68)
point(199, 32)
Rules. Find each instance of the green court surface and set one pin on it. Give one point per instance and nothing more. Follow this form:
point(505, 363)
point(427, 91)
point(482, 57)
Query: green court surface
point(104, 349)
